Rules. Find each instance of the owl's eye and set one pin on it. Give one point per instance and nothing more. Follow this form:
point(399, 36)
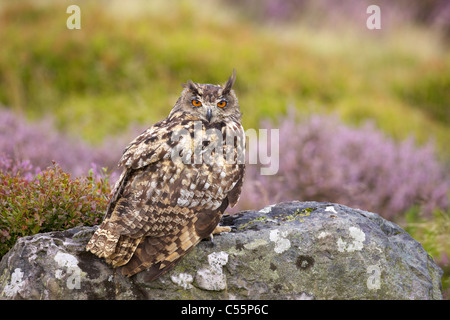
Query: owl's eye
point(221, 104)
point(196, 103)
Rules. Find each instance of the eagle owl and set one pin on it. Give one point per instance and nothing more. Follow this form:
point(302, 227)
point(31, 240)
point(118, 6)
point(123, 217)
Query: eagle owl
point(179, 176)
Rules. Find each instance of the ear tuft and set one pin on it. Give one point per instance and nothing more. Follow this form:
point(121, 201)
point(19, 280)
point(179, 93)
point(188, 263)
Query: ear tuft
point(190, 86)
point(230, 83)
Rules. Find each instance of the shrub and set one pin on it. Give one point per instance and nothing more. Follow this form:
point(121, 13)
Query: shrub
point(50, 201)
point(322, 159)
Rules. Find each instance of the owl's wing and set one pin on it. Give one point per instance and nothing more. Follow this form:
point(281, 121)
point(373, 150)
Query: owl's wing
point(124, 210)
point(235, 192)
point(157, 142)
point(150, 146)
point(238, 171)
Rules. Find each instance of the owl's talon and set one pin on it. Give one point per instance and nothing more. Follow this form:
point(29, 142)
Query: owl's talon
point(220, 229)
point(210, 241)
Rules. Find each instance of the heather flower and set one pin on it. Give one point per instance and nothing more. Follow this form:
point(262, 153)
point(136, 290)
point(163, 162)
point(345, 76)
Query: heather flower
point(17, 167)
point(38, 144)
point(324, 160)
point(320, 159)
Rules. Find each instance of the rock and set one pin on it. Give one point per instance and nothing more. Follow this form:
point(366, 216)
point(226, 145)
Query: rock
point(292, 250)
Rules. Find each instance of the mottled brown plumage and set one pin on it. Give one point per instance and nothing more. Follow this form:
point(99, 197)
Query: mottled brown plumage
point(179, 177)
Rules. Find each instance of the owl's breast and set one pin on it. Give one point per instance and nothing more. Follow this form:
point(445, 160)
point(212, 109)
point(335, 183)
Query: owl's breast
point(205, 186)
point(200, 166)
point(176, 184)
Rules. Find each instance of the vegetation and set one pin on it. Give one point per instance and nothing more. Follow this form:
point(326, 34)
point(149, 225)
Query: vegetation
point(433, 234)
point(324, 160)
point(50, 201)
point(125, 64)
point(86, 93)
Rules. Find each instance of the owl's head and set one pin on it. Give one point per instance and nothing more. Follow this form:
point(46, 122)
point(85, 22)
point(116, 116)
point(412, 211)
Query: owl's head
point(208, 102)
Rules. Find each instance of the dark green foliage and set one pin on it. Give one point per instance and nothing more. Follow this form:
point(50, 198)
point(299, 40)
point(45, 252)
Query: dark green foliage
point(432, 94)
point(51, 201)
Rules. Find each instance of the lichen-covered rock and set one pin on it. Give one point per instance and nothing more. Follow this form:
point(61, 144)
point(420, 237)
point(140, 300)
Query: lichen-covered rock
point(292, 250)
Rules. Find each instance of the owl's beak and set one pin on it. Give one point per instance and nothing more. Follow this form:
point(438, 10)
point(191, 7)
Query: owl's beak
point(209, 114)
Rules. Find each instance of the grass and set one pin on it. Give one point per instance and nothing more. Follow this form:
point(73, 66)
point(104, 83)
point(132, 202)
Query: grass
point(434, 236)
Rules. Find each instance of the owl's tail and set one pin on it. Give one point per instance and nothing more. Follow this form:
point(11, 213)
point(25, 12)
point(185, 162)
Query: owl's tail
point(103, 242)
point(117, 250)
point(161, 254)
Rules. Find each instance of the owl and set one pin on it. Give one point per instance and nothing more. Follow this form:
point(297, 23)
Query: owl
point(178, 178)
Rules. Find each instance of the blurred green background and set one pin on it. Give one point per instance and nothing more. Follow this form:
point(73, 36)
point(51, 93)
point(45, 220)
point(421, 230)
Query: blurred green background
point(127, 61)
point(125, 65)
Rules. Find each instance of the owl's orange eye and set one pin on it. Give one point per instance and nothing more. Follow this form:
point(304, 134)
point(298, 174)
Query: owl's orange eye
point(196, 103)
point(221, 104)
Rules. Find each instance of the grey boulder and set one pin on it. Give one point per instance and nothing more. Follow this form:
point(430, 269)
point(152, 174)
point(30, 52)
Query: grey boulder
point(291, 250)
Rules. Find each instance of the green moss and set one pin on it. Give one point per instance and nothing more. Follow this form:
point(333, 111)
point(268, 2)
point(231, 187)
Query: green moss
point(296, 216)
point(259, 219)
point(5, 277)
point(299, 214)
point(262, 265)
point(246, 225)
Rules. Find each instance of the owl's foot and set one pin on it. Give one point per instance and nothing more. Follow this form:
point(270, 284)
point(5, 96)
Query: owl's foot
point(220, 229)
point(217, 230)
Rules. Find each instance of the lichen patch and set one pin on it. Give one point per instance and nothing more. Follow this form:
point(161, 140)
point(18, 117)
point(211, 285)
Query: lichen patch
point(357, 244)
point(212, 277)
point(184, 280)
point(16, 284)
point(281, 243)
